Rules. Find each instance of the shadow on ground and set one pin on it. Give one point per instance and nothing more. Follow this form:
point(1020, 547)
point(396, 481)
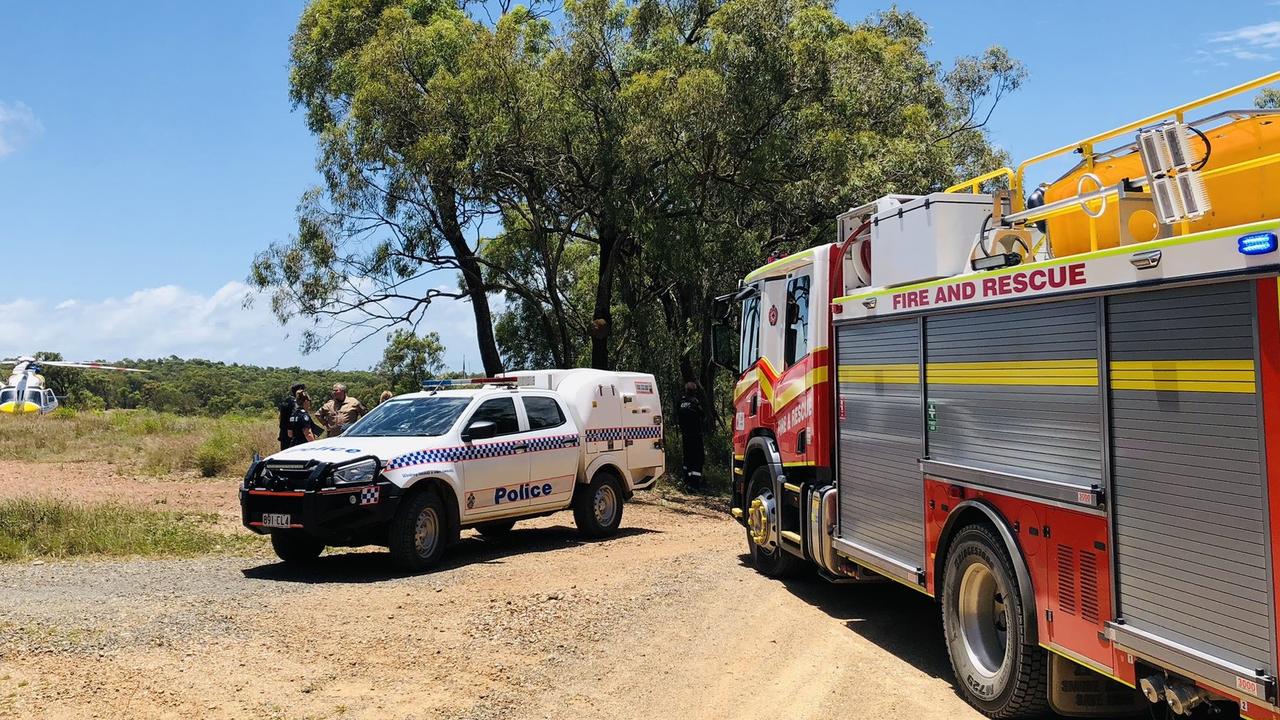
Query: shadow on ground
point(368, 566)
point(897, 619)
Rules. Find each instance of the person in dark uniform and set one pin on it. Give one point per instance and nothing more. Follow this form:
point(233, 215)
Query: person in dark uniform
point(689, 414)
point(287, 407)
point(302, 428)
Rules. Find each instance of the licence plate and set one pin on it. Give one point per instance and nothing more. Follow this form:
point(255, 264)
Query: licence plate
point(275, 520)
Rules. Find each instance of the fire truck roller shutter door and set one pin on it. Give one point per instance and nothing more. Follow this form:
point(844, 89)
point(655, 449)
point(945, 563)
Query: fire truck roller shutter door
point(1187, 467)
point(1015, 390)
point(880, 429)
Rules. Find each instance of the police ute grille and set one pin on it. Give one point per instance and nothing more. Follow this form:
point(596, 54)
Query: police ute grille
point(280, 476)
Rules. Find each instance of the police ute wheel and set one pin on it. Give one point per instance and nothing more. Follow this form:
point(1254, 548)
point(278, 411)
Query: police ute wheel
point(295, 546)
point(762, 532)
point(418, 532)
point(496, 529)
point(597, 507)
point(999, 669)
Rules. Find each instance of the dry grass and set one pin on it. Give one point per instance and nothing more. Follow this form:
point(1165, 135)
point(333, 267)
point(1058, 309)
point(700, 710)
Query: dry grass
point(140, 440)
point(52, 528)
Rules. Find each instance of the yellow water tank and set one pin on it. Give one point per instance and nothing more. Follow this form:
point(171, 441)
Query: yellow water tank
point(1236, 198)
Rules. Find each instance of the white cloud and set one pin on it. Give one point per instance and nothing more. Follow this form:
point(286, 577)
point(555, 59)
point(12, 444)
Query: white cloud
point(1248, 44)
point(170, 320)
point(18, 126)
point(1263, 35)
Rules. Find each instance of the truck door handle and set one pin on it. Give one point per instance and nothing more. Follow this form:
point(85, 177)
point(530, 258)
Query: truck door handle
point(521, 446)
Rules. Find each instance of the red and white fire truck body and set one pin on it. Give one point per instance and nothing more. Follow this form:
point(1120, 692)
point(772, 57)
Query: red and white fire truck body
point(1067, 433)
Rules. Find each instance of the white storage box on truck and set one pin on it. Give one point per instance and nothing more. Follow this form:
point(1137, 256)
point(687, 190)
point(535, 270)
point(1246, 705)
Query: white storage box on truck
point(421, 467)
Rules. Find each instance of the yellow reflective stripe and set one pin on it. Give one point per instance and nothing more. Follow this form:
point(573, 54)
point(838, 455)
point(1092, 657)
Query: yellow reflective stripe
point(1224, 376)
point(745, 383)
point(891, 374)
point(792, 389)
point(1037, 373)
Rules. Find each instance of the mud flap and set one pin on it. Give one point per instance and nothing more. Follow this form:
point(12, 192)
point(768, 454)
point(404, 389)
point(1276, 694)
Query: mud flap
point(1077, 691)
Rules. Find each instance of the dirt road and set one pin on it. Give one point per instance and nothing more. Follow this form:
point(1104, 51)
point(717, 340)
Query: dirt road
point(663, 621)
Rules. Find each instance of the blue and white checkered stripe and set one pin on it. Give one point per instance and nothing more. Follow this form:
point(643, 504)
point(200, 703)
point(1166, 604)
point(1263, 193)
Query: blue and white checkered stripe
point(604, 434)
point(643, 432)
point(480, 451)
point(624, 433)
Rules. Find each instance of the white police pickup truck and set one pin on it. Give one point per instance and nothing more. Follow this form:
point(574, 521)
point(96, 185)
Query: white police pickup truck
point(421, 467)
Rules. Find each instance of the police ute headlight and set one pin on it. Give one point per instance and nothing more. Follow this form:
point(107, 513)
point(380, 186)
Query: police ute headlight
point(361, 472)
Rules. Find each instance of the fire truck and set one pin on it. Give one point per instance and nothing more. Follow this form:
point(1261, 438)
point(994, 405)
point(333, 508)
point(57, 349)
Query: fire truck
point(1057, 413)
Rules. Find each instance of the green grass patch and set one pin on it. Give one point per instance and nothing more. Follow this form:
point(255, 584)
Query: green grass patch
point(56, 529)
point(152, 442)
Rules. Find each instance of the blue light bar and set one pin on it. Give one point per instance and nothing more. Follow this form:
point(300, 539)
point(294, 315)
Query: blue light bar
point(1257, 243)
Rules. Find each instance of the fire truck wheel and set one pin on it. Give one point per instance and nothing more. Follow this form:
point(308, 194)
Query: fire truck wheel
point(496, 529)
point(597, 508)
point(1001, 672)
point(418, 532)
point(294, 546)
point(766, 557)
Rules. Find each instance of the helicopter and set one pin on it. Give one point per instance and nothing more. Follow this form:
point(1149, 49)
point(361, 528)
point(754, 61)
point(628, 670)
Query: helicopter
point(25, 391)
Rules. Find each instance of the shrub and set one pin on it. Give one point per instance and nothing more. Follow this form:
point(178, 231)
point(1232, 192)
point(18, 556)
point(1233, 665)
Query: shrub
point(217, 453)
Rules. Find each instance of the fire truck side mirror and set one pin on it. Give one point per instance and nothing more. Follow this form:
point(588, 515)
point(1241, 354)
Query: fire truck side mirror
point(724, 350)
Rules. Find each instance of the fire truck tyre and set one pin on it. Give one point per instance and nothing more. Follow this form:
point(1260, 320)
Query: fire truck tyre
point(418, 533)
point(496, 529)
point(597, 508)
point(293, 546)
point(1001, 672)
point(766, 557)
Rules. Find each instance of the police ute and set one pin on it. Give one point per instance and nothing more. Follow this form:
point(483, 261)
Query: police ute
point(480, 453)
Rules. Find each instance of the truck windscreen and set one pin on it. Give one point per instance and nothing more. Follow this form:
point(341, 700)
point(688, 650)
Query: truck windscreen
point(410, 417)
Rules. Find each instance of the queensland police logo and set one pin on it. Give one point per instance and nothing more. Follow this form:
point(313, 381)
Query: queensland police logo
point(471, 500)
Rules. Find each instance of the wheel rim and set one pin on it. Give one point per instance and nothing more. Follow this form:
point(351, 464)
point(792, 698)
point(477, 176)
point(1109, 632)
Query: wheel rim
point(984, 619)
point(426, 532)
point(606, 505)
point(760, 520)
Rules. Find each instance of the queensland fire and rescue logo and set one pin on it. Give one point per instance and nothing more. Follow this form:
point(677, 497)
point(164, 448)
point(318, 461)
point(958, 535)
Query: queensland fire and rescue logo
point(471, 500)
point(773, 315)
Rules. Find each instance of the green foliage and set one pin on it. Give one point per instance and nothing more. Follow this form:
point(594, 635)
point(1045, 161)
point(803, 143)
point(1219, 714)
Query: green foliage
point(53, 528)
point(201, 387)
point(641, 156)
point(1267, 99)
point(409, 359)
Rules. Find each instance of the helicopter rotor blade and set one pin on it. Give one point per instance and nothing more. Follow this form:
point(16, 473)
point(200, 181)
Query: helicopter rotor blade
point(87, 365)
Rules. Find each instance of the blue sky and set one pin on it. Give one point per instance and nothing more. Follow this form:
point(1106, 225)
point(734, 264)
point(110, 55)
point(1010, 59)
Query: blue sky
point(148, 149)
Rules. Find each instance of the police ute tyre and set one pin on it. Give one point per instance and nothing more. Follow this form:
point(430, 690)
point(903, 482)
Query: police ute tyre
point(998, 668)
point(766, 557)
point(597, 507)
point(496, 529)
point(418, 532)
point(295, 546)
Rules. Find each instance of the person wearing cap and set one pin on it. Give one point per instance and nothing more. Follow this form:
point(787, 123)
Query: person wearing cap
point(287, 408)
point(340, 412)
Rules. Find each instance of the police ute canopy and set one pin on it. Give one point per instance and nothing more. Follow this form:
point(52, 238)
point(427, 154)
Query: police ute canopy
point(478, 453)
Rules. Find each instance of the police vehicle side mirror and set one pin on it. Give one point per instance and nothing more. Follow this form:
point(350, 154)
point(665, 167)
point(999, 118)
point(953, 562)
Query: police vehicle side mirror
point(479, 430)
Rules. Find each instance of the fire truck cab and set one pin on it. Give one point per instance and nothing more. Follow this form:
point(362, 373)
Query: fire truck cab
point(1057, 413)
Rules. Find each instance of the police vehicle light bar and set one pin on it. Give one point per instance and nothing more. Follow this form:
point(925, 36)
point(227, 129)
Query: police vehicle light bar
point(442, 383)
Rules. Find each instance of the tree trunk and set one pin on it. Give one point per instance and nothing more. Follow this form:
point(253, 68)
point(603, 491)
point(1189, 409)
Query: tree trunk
point(602, 317)
point(472, 280)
